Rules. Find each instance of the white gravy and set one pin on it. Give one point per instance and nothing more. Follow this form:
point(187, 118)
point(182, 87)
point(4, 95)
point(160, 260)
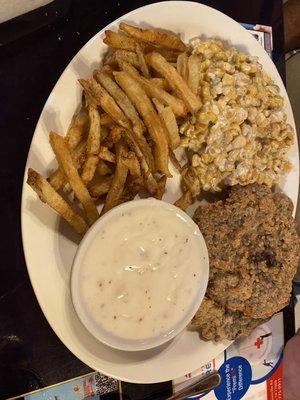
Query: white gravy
point(141, 273)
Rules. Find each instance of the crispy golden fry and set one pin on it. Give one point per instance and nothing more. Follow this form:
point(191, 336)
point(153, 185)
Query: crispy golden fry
point(170, 41)
point(106, 68)
point(161, 65)
point(117, 185)
point(57, 179)
point(48, 195)
point(122, 100)
point(143, 65)
point(94, 135)
point(191, 180)
point(150, 182)
point(106, 155)
point(169, 120)
point(170, 55)
point(143, 104)
point(174, 161)
point(102, 98)
point(123, 55)
point(103, 169)
point(161, 83)
point(132, 164)
point(68, 168)
point(115, 134)
point(146, 150)
point(119, 41)
point(78, 129)
point(158, 105)
point(161, 187)
point(90, 166)
point(182, 65)
point(101, 187)
point(193, 73)
point(166, 98)
point(92, 146)
point(184, 201)
point(106, 120)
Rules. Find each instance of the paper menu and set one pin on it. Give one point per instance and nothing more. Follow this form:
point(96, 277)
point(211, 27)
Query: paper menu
point(251, 368)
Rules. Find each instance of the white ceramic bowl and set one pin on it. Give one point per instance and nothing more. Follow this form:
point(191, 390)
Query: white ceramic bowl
point(86, 317)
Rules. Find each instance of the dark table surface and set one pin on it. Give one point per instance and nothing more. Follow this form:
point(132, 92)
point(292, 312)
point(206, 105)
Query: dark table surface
point(31, 355)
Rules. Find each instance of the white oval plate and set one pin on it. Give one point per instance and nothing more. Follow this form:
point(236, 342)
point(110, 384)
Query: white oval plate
point(50, 246)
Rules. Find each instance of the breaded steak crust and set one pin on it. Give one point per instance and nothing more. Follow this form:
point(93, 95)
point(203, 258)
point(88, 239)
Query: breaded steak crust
point(253, 251)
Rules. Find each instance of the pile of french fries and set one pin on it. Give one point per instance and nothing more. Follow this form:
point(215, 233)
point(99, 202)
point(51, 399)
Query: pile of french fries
point(120, 142)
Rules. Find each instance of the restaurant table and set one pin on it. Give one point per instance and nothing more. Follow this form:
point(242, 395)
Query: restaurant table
point(34, 51)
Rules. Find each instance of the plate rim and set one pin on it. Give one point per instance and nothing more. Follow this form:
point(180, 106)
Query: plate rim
point(23, 196)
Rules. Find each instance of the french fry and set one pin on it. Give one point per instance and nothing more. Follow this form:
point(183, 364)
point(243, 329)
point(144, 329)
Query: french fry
point(122, 55)
point(78, 129)
point(174, 161)
point(169, 55)
point(161, 187)
point(143, 65)
point(166, 98)
point(150, 182)
point(106, 155)
point(143, 104)
point(133, 165)
point(115, 134)
point(106, 120)
point(102, 98)
point(92, 146)
point(191, 180)
point(118, 40)
point(101, 187)
point(68, 168)
point(193, 73)
point(103, 169)
point(161, 65)
point(122, 100)
point(169, 120)
point(117, 185)
point(158, 105)
point(160, 82)
point(154, 37)
point(90, 166)
point(107, 69)
point(184, 201)
point(182, 65)
point(49, 196)
point(57, 179)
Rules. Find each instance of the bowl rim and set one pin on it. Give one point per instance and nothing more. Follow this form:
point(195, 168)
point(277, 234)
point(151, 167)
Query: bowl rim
point(117, 342)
